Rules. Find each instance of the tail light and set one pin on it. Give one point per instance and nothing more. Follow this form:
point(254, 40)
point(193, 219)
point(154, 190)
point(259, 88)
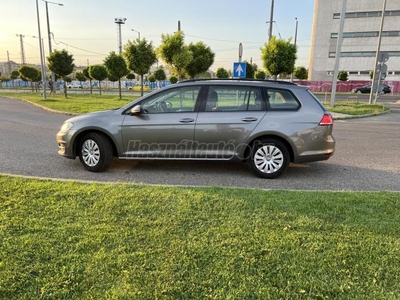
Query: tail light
point(326, 120)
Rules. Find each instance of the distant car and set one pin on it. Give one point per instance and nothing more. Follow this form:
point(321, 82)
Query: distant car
point(366, 89)
point(267, 124)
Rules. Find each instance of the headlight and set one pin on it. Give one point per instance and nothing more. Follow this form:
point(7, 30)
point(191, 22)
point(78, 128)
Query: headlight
point(66, 126)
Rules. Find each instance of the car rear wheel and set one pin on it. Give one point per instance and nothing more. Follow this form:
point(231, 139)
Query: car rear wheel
point(95, 152)
point(269, 158)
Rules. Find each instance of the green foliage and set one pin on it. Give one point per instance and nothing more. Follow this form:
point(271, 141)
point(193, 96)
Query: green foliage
point(80, 76)
point(31, 73)
point(140, 56)
point(68, 79)
point(62, 64)
point(159, 74)
point(151, 78)
point(343, 76)
point(173, 79)
point(300, 73)
point(116, 65)
point(175, 53)
point(202, 60)
point(222, 73)
point(98, 72)
point(14, 74)
point(130, 76)
point(69, 240)
point(86, 73)
point(116, 68)
point(260, 74)
point(250, 70)
point(4, 79)
point(279, 56)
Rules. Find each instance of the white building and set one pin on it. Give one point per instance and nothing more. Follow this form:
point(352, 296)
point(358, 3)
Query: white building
point(360, 38)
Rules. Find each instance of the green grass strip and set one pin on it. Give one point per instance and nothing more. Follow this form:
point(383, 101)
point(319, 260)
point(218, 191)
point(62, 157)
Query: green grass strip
point(69, 240)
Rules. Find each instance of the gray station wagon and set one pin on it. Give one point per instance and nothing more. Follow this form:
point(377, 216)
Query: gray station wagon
point(266, 124)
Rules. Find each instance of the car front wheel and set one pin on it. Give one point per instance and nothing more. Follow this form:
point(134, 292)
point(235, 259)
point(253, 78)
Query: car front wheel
point(95, 152)
point(269, 158)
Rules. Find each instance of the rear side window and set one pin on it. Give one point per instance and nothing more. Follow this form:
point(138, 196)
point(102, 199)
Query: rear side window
point(282, 100)
point(234, 98)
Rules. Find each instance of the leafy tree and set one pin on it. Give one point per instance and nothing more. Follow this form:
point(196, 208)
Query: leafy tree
point(222, 73)
point(130, 76)
point(159, 75)
point(98, 72)
point(85, 72)
point(30, 73)
point(151, 78)
point(14, 75)
point(140, 56)
point(279, 56)
point(80, 77)
point(250, 70)
point(203, 58)
point(116, 68)
point(260, 74)
point(175, 53)
point(343, 76)
point(300, 73)
point(68, 79)
point(62, 64)
point(173, 79)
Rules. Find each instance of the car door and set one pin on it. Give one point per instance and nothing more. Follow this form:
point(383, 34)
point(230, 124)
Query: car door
point(222, 128)
point(164, 128)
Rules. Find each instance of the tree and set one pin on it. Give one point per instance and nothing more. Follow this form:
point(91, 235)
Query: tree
point(140, 56)
point(30, 73)
point(85, 72)
point(300, 73)
point(159, 75)
point(260, 74)
point(151, 78)
point(79, 76)
point(14, 75)
point(222, 73)
point(98, 72)
point(62, 64)
point(175, 53)
point(130, 76)
point(173, 79)
point(343, 76)
point(279, 56)
point(250, 70)
point(202, 60)
point(116, 68)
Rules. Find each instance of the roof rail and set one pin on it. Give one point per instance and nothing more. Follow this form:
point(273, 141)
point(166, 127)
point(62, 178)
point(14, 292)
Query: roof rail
point(238, 79)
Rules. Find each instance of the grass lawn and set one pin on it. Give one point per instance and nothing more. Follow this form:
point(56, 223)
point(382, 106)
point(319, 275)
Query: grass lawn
point(68, 240)
point(83, 103)
point(75, 103)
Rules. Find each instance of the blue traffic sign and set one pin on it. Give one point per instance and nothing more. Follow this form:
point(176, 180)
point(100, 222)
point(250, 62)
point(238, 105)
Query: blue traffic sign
point(239, 69)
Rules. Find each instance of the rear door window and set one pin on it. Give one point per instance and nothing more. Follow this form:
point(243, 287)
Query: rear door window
point(279, 99)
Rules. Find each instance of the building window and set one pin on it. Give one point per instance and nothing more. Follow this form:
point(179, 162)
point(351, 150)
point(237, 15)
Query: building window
point(365, 34)
point(368, 14)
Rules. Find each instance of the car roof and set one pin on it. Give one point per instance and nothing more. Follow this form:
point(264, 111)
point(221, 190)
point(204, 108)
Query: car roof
point(245, 81)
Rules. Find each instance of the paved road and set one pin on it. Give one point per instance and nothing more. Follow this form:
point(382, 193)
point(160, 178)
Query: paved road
point(367, 157)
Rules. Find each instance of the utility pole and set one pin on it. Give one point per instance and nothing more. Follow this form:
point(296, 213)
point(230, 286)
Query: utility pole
point(338, 51)
point(271, 20)
point(179, 25)
point(41, 53)
point(21, 39)
point(295, 43)
point(376, 79)
point(9, 62)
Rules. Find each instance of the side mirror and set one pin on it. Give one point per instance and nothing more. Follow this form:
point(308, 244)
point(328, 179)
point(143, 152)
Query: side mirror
point(136, 110)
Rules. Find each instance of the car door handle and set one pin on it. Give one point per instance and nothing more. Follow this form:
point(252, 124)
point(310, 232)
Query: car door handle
point(186, 120)
point(249, 119)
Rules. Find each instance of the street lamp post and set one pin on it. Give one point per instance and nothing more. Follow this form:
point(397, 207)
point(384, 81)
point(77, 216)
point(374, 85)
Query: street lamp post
point(137, 33)
point(41, 52)
point(295, 43)
point(53, 87)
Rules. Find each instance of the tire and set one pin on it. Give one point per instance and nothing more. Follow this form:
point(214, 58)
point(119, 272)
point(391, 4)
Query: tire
point(268, 158)
point(95, 152)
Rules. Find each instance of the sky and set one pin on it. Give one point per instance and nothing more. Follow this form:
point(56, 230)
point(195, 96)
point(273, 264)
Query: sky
point(86, 28)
